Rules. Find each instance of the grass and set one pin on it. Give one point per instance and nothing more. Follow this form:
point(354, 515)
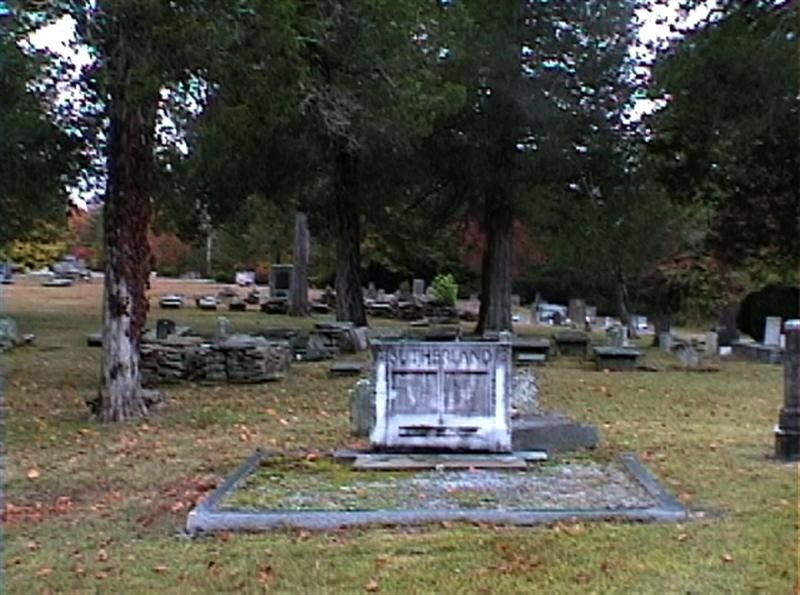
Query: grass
point(99, 508)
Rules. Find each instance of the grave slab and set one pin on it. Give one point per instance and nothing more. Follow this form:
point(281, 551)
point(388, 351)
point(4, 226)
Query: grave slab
point(616, 358)
point(552, 433)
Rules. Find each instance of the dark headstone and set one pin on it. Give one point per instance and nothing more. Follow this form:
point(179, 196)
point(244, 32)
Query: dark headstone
point(572, 343)
point(787, 434)
point(727, 332)
point(164, 328)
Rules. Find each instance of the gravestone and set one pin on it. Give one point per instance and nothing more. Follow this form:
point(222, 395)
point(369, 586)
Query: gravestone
point(164, 328)
point(372, 292)
point(617, 336)
point(712, 344)
point(224, 328)
point(9, 335)
point(280, 280)
point(577, 311)
point(787, 432)
point(442, 396)
point(591, 314)
point(362, 410)
point(418, 287)
point(772, 330)
point(726, 325)
point(516, 300)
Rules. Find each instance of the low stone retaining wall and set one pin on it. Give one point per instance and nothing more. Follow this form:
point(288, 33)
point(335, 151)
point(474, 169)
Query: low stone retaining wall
point(240, 359)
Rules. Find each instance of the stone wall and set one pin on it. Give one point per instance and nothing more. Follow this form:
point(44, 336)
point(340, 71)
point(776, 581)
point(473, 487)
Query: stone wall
point(239, 359)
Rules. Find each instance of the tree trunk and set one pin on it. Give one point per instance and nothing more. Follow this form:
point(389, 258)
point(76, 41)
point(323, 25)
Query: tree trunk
point(298, 296)
point(621, 294)
point(349, 301)
point(495, 308)
point(126, 215)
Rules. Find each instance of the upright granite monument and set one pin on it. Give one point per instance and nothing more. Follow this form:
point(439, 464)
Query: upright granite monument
point(787, 432)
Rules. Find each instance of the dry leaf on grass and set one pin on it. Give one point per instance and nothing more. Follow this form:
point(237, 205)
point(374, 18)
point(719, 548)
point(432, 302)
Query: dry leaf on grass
point(372, 586)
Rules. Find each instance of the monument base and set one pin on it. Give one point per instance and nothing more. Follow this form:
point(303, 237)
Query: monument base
point(551, 433)
point(787, 445)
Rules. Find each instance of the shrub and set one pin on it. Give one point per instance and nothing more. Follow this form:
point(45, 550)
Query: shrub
point(444, 289)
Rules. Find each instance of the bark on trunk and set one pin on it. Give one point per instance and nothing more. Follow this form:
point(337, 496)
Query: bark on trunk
point(621, 294)
point(126, 215)
point(298, 296)
point(495, 308)
point(349, 301)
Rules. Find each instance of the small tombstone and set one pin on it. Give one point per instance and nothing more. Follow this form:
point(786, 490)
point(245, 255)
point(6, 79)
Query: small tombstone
point(726, 325)
point(224, 327)
point(164, 328)
point(591, 314)
point(280, 280)
point(772, 330)
point(9, 335)
point(665, 342)
point(787, 432)
point(617, 336)
point(372, 292)
point(515, 300)
point(473, 297)
point(524, 393)
point(577, 311)
point(712, 344)
point(362, 408)
point(418, 287)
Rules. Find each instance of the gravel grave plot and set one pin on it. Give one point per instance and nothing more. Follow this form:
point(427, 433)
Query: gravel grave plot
point(335, 487)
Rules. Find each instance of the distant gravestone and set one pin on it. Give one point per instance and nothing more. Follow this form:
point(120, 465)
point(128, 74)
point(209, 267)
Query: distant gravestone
point(224, 328)
point(372, 292)
point(617, 336)
point(444, 396)
point(577, 311)
point(516, 300)
point(280, 280)
point(712, 344)
point(418, 287)
point(9, 335)
point(726, 325)
point(362, 408)
point(591, 313)
point(164, 328)
point(772, 330)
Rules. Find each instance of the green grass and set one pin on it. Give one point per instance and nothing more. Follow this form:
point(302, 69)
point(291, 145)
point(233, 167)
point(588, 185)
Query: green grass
point(104, 512)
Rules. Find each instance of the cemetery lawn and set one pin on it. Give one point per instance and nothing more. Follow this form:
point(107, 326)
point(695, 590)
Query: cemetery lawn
point(100, 508)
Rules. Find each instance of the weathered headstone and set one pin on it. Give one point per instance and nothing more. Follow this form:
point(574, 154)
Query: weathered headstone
point(224, 328)
point(617, 336)
point(9, 335)
point(726, 325)
point(516, 300)
point(665, 342)
point(442, 396)
point(525, 393)
point(772, 330)
point(418, 287)
point(362, 408)
point(280, 280)
point(577, 311)
point(712, 344)
point(164, 328)
point(372, 292)
point(787, 432)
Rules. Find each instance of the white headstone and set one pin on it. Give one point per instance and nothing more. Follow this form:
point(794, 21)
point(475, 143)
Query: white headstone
point(452, 396)
point(418, 287)
point(772, 330)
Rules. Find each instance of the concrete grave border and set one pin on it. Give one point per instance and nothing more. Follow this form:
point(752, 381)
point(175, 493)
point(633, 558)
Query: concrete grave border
point(208, 517)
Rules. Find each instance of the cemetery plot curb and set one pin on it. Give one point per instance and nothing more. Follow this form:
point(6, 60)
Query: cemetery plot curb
point(208, 517)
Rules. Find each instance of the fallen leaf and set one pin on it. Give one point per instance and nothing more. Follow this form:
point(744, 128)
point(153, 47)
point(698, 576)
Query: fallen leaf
point(372, 586)
point(33, 473)
point(101, 575)
point(683, 536)
point(45, 571)
point(727, 558)
point(102, 555)
point(283, 422)
point(160, 569)
point(33, 546)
